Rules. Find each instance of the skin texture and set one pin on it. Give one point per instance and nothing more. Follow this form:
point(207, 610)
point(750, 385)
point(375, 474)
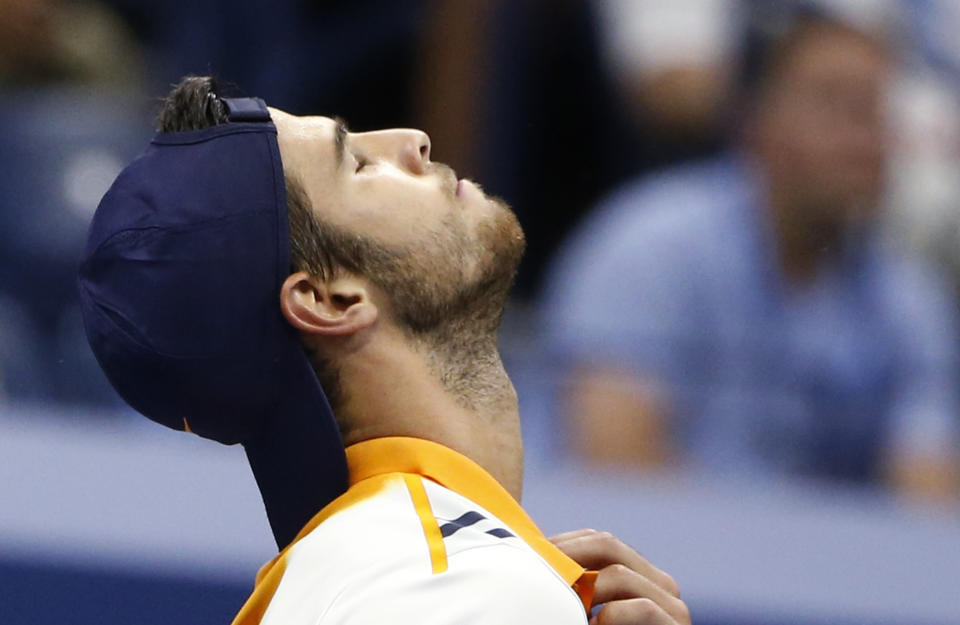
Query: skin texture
point(447, 384)
point(629, 590)
point(386, 189)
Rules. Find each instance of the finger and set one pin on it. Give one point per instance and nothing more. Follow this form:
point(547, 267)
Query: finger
point(566, 536)
point(617, 582)
point(632, 612)
point(597, 550)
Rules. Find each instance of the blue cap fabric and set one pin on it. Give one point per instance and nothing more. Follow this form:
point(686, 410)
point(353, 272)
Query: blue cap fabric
point(180, 293)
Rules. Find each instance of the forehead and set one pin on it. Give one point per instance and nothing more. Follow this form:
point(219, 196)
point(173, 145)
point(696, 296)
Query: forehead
point(834, 48)
point(306, 143)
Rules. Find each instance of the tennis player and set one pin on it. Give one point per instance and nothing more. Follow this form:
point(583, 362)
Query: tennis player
point(331, 300)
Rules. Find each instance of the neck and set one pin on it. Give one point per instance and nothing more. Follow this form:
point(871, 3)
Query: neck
point(804, 242)
point(455, 394)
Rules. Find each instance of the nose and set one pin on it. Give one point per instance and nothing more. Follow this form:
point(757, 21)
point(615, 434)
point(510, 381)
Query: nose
point(415, 153)
point(407, 148)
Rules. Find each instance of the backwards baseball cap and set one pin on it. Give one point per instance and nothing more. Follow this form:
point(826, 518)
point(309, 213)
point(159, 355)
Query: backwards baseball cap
point(180, 292)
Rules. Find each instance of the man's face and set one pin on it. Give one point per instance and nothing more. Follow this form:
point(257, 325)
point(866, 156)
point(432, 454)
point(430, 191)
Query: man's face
point(821, 123)
point(445, 242)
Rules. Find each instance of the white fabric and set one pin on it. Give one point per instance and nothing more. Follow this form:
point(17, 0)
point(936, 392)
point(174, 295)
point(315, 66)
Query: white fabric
point(369, 565)
point(654, 35)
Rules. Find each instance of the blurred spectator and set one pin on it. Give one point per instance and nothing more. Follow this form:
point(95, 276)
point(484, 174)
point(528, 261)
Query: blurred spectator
point(57, 41)
point(672, 60)
point(67, 72)
point(924, 207)
point(743, 314)
point(62, 149)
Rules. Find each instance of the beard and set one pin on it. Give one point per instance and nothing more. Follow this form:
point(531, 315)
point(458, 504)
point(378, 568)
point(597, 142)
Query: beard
point(448, 292)
point(448, 278)
point(464, 283)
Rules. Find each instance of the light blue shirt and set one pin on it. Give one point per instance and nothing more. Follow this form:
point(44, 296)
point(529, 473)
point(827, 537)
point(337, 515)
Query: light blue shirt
point(675, 278)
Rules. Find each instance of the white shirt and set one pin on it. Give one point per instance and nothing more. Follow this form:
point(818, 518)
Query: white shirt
point(425, 536)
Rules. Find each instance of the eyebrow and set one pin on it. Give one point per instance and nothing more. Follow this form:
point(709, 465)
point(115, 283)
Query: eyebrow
point(340, 140)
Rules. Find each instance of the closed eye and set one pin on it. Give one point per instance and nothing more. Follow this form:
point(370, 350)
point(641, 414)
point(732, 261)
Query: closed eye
point(361, 163)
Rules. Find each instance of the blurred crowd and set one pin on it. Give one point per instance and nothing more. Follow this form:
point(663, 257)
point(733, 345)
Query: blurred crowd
point(743, 216)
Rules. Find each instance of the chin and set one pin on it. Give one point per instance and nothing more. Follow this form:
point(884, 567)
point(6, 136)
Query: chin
point(503, 236)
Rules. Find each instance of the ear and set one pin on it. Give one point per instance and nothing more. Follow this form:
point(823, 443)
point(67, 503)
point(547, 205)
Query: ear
point(337, 308)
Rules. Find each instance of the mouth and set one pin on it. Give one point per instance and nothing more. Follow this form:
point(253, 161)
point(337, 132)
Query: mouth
point(455, 184)
point(449, 178)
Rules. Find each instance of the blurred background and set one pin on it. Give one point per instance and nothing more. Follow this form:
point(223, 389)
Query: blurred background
point(735, 335)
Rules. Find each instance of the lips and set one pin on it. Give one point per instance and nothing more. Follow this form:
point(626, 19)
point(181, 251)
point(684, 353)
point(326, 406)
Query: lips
point(448, 177)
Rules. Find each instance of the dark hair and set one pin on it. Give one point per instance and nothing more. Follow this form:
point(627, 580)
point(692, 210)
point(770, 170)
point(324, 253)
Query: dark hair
point(194, 104)
point(773, 32)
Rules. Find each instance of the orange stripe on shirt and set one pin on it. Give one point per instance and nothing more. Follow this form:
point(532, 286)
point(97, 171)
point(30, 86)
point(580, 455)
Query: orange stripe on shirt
point(458, 473)
point(431, 530)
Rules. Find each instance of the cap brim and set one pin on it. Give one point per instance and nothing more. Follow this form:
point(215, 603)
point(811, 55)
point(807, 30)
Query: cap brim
point(298, 458)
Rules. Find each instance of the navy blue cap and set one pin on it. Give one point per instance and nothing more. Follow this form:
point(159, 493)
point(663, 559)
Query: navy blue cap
point(180, 292)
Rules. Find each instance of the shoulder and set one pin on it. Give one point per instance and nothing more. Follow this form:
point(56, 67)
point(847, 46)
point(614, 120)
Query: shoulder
point(374, 533)
point(379, 561)
point(488, 585)
point(655, 219)
point(671, 200)
point(913, 290)
point(647, 248)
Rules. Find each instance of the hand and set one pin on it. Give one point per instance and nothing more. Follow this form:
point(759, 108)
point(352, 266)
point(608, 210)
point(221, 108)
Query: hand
point(634, 591)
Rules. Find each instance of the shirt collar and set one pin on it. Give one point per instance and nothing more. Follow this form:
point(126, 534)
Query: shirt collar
point(444, 466)
point(458, 473)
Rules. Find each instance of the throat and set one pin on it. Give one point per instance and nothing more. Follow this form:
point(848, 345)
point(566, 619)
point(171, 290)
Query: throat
point(454, 391)
point(463, 357)
point(469, 368)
